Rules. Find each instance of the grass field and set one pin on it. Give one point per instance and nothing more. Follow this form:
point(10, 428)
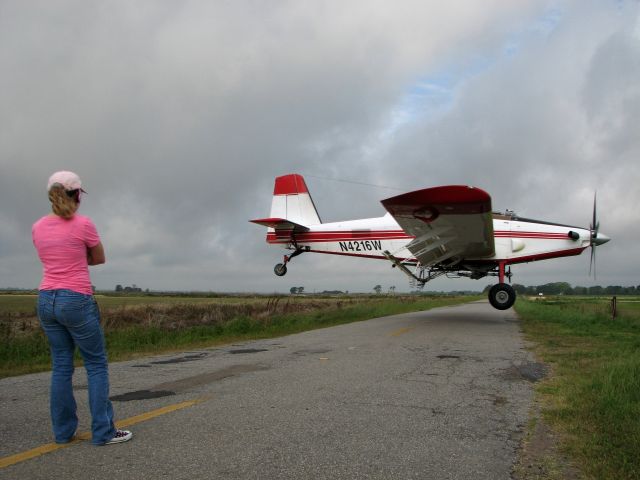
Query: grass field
point(593, 395)
point(136, 326)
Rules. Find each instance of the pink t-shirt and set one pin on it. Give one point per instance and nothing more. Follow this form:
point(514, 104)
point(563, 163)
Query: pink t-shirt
point(62, 247)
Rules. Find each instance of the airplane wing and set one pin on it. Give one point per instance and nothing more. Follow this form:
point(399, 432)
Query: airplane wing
point(449, 223)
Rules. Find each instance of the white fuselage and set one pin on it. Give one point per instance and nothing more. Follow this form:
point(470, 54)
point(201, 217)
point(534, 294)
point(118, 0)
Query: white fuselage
point(515, 240)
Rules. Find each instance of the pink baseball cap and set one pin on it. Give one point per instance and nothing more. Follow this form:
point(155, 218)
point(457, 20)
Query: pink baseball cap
point(69, 180)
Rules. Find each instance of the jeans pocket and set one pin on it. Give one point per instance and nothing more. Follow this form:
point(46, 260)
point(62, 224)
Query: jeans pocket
point(75, 310)
point(44, 307)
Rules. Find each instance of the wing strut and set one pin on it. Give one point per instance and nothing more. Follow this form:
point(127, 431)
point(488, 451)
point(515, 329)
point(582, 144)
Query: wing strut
point(420, 280)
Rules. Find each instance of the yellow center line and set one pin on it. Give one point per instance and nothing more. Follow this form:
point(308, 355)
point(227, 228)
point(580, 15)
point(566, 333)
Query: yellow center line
point(80, 436)
point(143, 417)
point(399, 332)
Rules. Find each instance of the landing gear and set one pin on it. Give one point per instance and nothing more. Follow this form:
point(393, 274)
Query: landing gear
point(281, 268)
point(502, 296)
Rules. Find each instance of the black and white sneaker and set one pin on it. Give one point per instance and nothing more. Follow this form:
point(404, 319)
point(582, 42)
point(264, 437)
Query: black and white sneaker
point(121, 436)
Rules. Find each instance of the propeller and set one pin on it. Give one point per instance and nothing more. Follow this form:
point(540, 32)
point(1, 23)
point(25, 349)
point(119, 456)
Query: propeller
point(596, 238)
point(593, 227)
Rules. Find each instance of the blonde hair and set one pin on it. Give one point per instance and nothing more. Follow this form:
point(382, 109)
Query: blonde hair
point(62, 204)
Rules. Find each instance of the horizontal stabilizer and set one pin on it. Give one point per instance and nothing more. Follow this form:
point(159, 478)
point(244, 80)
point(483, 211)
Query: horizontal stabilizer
point(280, 224)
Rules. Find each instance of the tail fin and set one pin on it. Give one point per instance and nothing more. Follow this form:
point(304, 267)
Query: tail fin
point(292, 201)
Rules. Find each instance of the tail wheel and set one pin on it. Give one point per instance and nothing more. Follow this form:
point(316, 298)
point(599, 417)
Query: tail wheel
point(280, 269)
point(502, 296)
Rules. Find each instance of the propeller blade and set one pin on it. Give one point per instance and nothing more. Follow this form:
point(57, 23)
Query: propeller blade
point(594, 227)
point(594, 206)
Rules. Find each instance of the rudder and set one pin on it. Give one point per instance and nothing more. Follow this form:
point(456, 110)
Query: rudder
point(292, 201)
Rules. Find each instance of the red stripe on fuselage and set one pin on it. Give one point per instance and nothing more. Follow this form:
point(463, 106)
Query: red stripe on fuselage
point(544, 256)
point(344, 254)
point(507, 261)
point(541, 235)
point(336, 236)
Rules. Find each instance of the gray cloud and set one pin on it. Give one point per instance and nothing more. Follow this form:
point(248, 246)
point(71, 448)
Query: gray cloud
point(179, 115)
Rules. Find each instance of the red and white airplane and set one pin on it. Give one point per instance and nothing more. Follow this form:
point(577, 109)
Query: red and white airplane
point(448, 230)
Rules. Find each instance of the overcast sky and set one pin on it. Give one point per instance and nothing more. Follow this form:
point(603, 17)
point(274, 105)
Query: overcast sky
point(179, 115)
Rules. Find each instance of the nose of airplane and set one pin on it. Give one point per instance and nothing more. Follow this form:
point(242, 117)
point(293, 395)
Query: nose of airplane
point(600, 239)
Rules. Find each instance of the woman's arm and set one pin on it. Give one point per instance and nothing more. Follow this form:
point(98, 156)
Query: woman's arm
point(95, 255)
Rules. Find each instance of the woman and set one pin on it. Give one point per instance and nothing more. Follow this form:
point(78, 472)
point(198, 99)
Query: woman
point(67, 243)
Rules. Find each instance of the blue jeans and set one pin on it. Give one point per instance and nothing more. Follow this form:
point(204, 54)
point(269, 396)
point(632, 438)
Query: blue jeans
point(71, 320)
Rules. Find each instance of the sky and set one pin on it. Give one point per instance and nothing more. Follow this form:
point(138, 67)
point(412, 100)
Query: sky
point(179, 115)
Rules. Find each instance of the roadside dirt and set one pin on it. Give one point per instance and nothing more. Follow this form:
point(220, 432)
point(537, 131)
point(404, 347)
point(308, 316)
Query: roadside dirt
point(540, 457)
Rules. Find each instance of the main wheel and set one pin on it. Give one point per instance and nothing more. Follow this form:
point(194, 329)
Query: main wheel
point(280, 269)
point(502, 296)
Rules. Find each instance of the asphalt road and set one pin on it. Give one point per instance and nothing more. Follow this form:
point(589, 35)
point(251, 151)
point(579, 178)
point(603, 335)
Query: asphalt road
point(442, 394)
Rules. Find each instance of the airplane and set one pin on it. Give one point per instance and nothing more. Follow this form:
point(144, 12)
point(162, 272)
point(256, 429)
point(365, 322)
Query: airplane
point(445, 230)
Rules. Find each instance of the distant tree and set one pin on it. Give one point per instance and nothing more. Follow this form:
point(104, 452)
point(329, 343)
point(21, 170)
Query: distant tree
point(564, 288)
point(377, 289)
point(119, 288)
point(555, 288)
point(613, 290)
point(300, 290)
point(293, 290)
point(580, 290)
point(392, 289)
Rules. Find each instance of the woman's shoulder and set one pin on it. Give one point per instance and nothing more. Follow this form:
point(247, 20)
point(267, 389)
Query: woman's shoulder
point(51, 218)
point(45, 219)
point(82, 219)
point(86, 224)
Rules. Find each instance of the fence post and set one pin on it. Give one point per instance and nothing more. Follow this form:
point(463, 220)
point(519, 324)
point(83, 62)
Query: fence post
point(614, 308)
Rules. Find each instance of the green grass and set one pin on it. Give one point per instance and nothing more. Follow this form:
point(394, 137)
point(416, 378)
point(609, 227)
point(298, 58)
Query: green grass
point(162, 325)
point(593, 396)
